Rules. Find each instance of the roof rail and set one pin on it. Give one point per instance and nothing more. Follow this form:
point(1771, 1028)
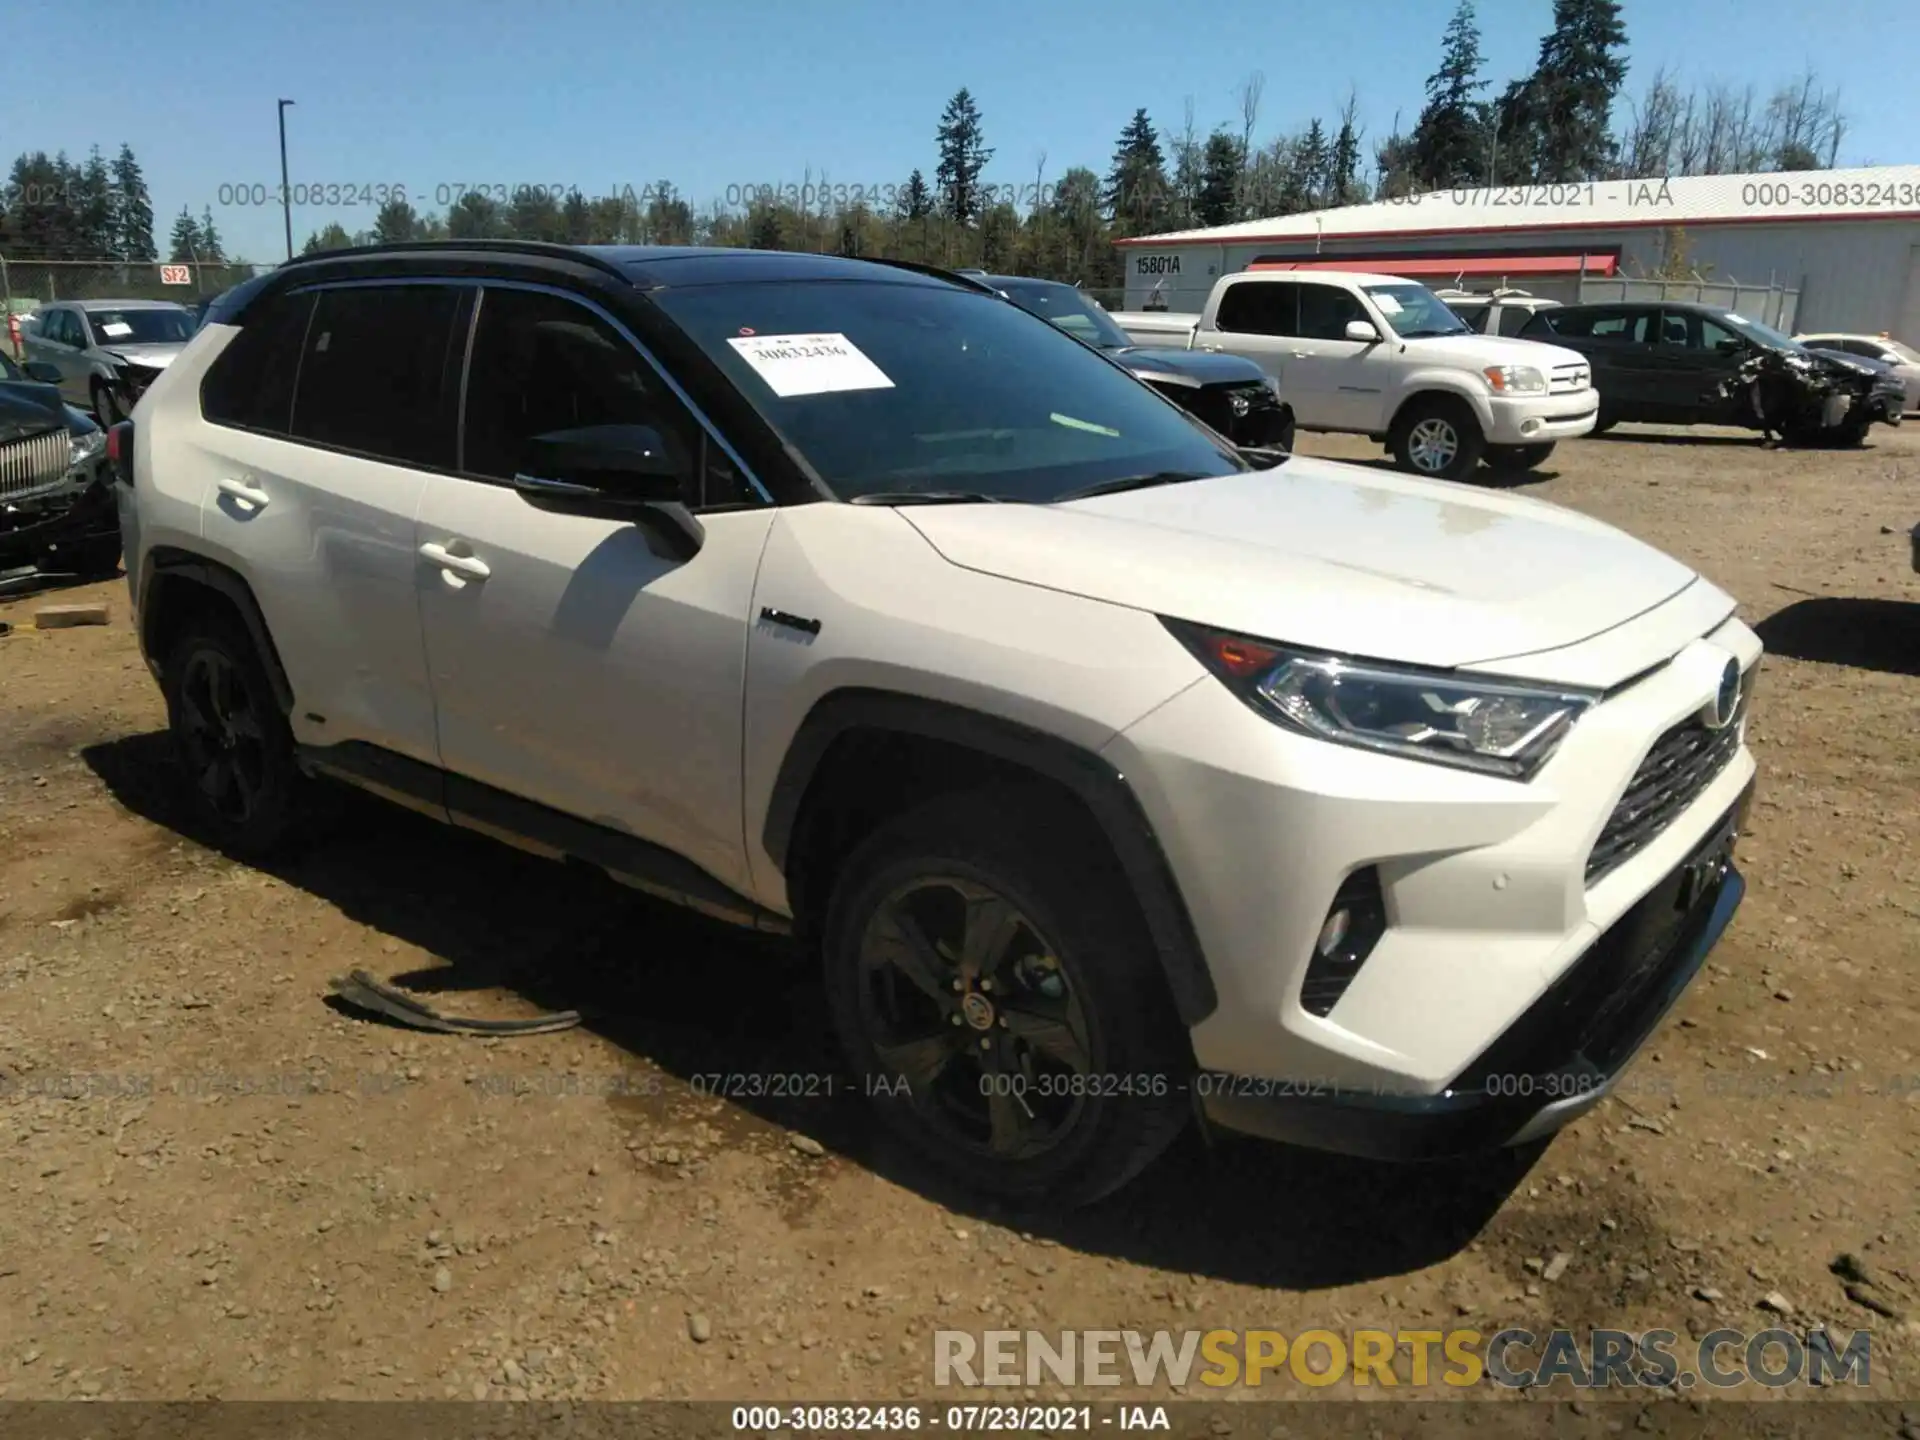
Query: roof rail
point(959, 277)
point(545, 248)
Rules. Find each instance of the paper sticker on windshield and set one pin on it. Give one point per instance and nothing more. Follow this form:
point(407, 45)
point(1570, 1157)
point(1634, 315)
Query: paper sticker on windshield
point(810, 364)
point(1388, 305)
point(114, 329)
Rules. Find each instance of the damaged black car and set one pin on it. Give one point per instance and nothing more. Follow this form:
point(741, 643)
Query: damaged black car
point(58, 518)
point(1227, 392)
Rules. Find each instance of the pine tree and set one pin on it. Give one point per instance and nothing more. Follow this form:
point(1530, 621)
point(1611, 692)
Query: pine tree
point(1343, 162)
point(1553, 126)
point(332, 237)
point(1136, 193)
point(1220, 171)
point(764, 232)
point(184, 245)
point(211, 250)
point(395, 221)
point(132, 210)
point(1448, 148)
point(916, 201)
point(95, 233)
point(963, 155)
point(1310, 159)
point(475, 216)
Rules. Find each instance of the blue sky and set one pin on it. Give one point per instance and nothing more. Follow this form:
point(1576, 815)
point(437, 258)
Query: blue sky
point(429, 93)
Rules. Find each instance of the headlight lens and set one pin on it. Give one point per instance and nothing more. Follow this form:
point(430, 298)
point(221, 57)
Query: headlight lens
point(85, 449)
point(1445, 717)
point(1515, 380)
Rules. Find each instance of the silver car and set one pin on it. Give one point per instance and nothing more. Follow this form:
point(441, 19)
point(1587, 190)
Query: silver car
point(107, 351)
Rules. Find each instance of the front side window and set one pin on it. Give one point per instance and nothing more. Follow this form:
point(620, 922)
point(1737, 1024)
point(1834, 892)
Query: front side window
point(543, 363)
point(884, 386)
point(1325, 311)
point(378, 372)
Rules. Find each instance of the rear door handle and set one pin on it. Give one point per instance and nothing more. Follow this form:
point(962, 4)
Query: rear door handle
point(245, 491)
point(469, 566)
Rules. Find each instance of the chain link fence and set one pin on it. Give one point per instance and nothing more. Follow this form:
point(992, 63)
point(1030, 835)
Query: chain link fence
point(27, 282)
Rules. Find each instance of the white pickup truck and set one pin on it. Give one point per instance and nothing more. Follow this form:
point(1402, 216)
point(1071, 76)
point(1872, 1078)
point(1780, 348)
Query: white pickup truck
point(1381, 356)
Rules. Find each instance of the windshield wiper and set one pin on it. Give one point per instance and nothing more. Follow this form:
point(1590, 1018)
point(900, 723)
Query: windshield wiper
point(1434, 334)
point(928, 497)
point(1133, 482)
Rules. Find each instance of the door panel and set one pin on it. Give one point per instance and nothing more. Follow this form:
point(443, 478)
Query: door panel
point(590, 668)
point(1343, 377)
point(1257, 318)
point(321, 519)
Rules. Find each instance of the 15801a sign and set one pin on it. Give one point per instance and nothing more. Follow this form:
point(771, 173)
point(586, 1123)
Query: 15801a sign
point(1156, 265)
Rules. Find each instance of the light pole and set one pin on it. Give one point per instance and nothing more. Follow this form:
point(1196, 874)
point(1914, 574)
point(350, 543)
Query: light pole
point(286, 194)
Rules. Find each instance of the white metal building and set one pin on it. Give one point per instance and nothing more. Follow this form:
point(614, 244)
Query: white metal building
point(1808, 250)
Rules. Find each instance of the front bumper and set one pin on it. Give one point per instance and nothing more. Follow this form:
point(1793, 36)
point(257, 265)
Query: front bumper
point(1541, 419)
point(1492, 891)
point(1557, 1061)
point(50, 528)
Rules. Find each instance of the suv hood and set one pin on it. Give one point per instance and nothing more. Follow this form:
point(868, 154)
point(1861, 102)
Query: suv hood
point(1195, 368)
point(1476, 352)
point(1328, 557)
point(29, 408)
point(154, 356)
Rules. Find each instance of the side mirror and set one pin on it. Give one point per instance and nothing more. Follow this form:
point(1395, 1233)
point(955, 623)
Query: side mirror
point(1363, 331)
point(631, 473)
point(1729, 347)
point(41, 371)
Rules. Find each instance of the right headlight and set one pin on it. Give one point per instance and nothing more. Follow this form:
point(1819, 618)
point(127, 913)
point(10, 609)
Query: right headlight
point(1470, 722)
point(85, 448)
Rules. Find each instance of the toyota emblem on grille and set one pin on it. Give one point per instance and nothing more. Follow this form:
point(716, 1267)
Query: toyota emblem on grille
point(1726, 702)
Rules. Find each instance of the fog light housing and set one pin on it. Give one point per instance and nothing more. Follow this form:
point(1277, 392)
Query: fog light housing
point(1354, 923)
point(1529, 427)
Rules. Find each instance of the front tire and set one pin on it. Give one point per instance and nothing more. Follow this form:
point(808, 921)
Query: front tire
point(1439, 438)
point(1000, 1001)
point(1518, 457)
point(230, 738)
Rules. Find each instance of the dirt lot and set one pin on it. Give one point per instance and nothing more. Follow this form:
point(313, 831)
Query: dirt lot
point(219, 1185)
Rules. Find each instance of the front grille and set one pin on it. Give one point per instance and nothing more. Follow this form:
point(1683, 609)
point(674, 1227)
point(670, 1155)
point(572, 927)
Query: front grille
point(1566, 379)
point(1682, 763)
point(33, 463)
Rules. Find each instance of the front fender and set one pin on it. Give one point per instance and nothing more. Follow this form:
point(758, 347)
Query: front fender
point(1467, 388)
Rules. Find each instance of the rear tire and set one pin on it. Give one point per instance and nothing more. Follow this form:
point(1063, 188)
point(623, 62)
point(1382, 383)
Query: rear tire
point(231, 740)
point(106, 409)
point(1518, 457)
point(1438, 437)
point(1604, 421)
point(1000, 1001)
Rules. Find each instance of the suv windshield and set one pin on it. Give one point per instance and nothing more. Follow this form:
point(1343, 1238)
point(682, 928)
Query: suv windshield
point(1068, 308)
point(1761, 334)
point(886, 387)
point(139, 327)
point(1415, 312)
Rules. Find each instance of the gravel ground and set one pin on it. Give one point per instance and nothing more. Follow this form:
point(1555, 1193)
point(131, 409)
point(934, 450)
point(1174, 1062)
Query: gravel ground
point(217, 1185)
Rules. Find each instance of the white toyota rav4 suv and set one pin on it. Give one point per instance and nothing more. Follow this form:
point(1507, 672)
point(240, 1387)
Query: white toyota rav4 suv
point(1113, 772)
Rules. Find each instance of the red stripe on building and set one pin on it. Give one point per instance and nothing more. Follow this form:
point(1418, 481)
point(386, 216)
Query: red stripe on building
point(1458, 265)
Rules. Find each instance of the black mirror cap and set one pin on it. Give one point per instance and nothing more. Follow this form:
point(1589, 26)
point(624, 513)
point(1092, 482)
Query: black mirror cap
point(635, 463)
point(41, 372)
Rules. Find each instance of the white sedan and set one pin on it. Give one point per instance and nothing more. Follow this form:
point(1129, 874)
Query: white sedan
point(1904, 359)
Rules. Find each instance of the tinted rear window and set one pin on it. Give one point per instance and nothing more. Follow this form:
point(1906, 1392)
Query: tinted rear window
point(377, 373)
point(1260, 307)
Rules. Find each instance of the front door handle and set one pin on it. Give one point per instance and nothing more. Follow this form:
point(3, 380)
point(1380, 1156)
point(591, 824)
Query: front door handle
point(470, 567)
point(245, 491)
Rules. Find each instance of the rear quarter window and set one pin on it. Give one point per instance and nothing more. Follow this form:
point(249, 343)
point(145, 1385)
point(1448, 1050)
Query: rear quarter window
point(250, 385)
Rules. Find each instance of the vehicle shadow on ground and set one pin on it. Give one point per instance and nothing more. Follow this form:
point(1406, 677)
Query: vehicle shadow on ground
point(1865, 634)
point(697, 998)
point(1750, 439)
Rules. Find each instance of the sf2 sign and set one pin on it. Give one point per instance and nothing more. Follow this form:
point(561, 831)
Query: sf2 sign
point(1156, 265)
point(176, 275)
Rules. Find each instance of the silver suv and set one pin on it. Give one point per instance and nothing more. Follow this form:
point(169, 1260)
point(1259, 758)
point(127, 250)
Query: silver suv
point(107, 351)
